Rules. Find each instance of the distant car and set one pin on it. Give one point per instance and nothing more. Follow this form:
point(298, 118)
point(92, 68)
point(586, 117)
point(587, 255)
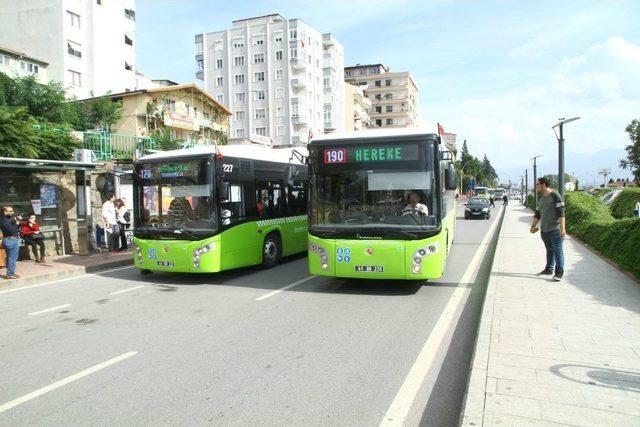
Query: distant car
point(477, 207)
point(498, 194)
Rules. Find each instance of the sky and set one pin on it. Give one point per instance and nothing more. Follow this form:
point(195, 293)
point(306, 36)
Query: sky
point(498, 74)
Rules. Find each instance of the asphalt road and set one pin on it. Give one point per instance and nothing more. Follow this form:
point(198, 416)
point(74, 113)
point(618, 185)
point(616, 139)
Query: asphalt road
point(120, 348)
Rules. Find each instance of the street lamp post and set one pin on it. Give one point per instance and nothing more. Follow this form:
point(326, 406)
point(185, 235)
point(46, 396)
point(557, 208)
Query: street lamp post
point(560, 139)
point(535, 179)
point(526, 186)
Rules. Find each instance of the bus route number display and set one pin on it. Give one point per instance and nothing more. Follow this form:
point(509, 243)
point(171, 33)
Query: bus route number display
point(335, 155)
point(370, 154)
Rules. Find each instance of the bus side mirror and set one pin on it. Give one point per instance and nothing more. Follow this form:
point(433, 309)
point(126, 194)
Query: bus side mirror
point(289, 175)
point(450, 180)
point(223, 190)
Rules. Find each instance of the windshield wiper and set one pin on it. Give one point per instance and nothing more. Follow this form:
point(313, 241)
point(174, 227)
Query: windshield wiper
point(403, 232)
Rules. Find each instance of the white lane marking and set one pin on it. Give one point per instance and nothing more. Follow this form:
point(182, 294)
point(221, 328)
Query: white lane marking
point(35, 313)
point(276, 292)
point(65, 381)
point(399, 410)
point(65, 280)
point(126, 290)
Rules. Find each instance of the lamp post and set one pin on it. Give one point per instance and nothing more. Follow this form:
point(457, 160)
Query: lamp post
point(560, 139)
point(526, 186)
point(535, 179)
point(462, 174)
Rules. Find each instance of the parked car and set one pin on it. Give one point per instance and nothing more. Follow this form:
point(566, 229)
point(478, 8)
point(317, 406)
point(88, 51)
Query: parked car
point(477, 207)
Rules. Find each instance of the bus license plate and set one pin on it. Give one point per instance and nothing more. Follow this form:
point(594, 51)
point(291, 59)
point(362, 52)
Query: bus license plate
point(369, 268)
point(166, 264)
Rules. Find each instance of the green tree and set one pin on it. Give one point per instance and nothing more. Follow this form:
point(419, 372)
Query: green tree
point(489, 175)
point(163, 140)
point(632, 162)
point(96, 113)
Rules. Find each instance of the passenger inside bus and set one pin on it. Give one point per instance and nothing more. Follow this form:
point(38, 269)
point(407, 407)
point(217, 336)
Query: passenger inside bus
point(415, 205)
point(179, 210)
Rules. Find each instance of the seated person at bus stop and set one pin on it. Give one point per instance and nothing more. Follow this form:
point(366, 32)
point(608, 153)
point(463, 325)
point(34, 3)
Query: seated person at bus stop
point(32, 236)
point(414, 205)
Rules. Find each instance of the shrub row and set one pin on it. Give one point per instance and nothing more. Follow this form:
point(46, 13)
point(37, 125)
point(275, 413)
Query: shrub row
point(617, 239)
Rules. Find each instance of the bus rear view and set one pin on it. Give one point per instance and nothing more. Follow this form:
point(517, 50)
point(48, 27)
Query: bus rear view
point(379, 207)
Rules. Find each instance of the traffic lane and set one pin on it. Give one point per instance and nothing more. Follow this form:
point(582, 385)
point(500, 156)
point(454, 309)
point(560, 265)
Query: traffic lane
point(240, 337)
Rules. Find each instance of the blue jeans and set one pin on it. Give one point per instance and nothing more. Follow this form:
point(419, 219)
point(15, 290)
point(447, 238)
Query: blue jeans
point(12, 248)
point(555, 256)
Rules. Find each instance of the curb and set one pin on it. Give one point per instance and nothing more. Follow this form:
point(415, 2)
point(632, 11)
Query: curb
point(472, 413)
point(65, 274)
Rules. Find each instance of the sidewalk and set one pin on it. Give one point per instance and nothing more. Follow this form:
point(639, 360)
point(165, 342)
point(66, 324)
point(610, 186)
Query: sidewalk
point(551, 353)
point(61, 267)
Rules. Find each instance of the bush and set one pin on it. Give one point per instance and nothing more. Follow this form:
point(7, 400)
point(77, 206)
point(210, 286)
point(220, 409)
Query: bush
point(617, 239)
point(625, 203)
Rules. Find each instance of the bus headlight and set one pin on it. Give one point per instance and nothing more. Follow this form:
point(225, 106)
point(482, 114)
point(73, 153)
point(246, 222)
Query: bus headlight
point(416, 269)
point(200, 251)
point(420, 254)
point(138, 252)
point(322, 253)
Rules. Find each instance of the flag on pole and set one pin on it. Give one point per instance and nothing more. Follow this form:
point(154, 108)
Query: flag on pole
point(440, 129)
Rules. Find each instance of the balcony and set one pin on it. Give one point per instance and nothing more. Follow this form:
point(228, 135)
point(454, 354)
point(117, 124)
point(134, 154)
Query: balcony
point(299, 120)
point(328, 40)
point(299, 83)
point(299, 64)
point(330, 125)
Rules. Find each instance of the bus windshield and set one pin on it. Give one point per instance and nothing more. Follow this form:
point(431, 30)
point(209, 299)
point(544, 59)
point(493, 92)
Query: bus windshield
point(389, 198)
point(175, 198)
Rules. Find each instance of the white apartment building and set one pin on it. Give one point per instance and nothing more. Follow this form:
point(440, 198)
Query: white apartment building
point(18, 64)
point(281, 78)
point(393, 95)
point(356, 107)
point(88, 44)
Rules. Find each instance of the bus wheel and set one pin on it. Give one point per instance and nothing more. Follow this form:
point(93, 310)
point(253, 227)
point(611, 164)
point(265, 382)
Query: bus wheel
point(271, 250)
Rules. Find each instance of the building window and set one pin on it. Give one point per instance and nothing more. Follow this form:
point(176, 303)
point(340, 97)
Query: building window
point(378, 83)
point(128, 66)
point(187, 108)
point(240, 97)
point(261, 113)
point(74, 19)
point(128, 40)
point(388, 96)
point(378, 109)
point(219, 63)
point(257, 40)
point(219, 98)
point(378, 122)
point(387, 82)
point(99, 2)
point(200, 65)
point(277, 37)
point(239, 79)
point(348, 73)
point(75, 78)
point(29, 67)
point(219, 81)
point(378, 96)
point(258, 58)
point(261, 131)
point(280, 130)
point(74, 49)
point(260, 95)
point(279, 93)
point(239, 133)
point(293, 33)
point(326, 81)
point(239, 116)
point(238, 42)
point(278, 55)
point(258, 77)
point(389, 122)
point(279, 74)
point(130, 14)
point(294, 53)
point(309, 59)
point(238, 61)
point(218, 46)
point(3, 59)
point(279, 111)
point(389, 109)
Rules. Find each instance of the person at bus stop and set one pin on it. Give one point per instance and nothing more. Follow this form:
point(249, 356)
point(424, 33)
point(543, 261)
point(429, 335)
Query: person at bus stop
point(111, 222)
point(32, 236)
point(10, 239)
point(414, 205)
point(123, 217)
point(550, 214)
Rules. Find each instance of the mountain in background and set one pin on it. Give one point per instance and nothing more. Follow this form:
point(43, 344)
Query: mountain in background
point(584, 166)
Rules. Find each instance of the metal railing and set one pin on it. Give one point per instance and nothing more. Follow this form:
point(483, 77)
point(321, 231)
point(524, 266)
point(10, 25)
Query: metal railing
point(111, 146)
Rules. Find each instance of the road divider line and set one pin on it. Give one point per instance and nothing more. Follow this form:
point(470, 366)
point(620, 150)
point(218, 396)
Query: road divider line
point(126, 290)
point(399, 410)
point(35, 313)
point(15, 402)
point(276, 292)
point(64, 280)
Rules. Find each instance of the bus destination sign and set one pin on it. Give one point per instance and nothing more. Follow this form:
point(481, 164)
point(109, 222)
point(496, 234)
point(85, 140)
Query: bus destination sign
point(336, 155)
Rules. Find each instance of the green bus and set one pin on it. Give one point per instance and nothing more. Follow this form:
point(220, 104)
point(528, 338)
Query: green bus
point(382, 205)
point(203, 209)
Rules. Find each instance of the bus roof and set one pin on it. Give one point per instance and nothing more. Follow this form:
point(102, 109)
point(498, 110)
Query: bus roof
point(254, 152)
point(375, 134)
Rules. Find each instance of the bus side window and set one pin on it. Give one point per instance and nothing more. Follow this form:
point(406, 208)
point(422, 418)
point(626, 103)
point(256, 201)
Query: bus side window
point(297, 199)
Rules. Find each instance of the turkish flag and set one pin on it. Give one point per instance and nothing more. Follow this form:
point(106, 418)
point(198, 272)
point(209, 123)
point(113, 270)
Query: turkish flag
point(440, 129)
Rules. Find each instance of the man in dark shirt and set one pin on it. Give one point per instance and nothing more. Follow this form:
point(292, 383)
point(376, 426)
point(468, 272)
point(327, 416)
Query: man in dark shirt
point(10, 239)
point(550, 215)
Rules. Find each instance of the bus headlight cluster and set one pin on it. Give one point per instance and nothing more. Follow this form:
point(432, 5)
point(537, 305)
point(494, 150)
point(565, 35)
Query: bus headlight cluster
point(138, 252)
point(420, 254)
point(200, 251)
point(322, 253)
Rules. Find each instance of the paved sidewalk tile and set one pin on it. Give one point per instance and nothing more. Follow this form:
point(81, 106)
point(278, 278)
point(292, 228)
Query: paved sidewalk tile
point(563, 353)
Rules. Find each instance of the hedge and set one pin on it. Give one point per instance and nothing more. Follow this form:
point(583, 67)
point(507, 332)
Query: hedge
point(624, 204)
point(617, 239)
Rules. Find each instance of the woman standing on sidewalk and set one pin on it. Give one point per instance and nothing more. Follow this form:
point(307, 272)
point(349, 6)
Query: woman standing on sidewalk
point(550, 215)
point(10, 239)
point(121, 215)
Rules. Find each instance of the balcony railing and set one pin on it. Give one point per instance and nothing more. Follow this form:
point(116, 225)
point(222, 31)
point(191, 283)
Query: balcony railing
point(110, 146)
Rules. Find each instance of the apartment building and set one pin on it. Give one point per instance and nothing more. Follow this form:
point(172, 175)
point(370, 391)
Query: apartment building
point(281, 78)
point(18, 64)
point(88, 44)
point(356, 107)
point(393, 95)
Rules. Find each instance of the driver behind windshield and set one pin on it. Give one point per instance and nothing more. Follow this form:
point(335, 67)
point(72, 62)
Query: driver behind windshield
point(414, 205)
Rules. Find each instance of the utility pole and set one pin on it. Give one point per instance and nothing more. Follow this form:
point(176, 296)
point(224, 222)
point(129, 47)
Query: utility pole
point(535, 180)
point(526, 186)
point(521, 187)
point(560, 138)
